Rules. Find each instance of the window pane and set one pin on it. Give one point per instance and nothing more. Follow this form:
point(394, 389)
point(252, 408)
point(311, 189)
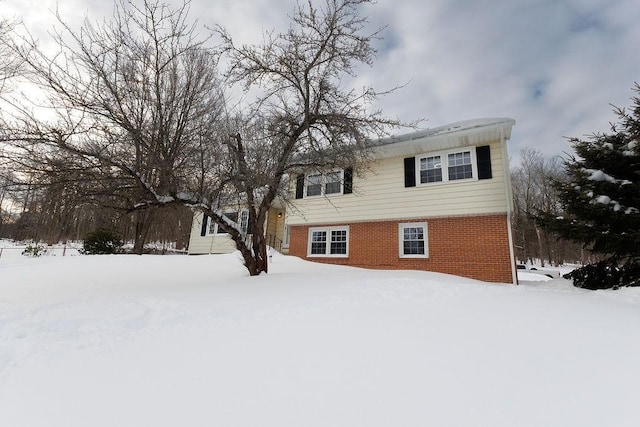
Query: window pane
point(314, 185)
point(244, 220)
point(333, 183)
point(414, 248)
point(413, 242)
point(233, 216)
point(460, 172)
point(460, 166)
point(319, 242)
point(430, 169)
point(339, 242)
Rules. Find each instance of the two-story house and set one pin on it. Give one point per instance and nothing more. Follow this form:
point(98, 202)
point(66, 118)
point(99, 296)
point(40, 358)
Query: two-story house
point(436, 200)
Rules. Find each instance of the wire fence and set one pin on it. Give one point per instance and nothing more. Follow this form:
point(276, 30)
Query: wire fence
point(37, 250)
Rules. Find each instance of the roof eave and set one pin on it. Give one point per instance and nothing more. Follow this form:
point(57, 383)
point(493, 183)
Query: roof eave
point(455, 135)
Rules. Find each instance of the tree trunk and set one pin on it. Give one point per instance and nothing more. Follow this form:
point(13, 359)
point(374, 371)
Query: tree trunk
point(540, 250)
point(143, 221)
point(255, 255)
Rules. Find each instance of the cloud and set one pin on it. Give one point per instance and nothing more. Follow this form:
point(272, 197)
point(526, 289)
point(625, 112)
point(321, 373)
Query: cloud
point(553, 65)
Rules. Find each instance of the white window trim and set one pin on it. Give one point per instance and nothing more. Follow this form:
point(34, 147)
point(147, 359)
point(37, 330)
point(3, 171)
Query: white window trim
point(444, 156)
point(401, 228)
point(328, 248)
point(215, 225)
point(323, 184)
point(287, 236)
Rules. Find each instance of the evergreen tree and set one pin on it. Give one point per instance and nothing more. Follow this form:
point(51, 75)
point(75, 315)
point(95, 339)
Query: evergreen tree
point(601, 202)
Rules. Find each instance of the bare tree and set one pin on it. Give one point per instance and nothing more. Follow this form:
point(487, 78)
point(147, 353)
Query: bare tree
point(304, 118)
point(9, 64)
point(138, 105)
point(533, 192)
point(129, 103)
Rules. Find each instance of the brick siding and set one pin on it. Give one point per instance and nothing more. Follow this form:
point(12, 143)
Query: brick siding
point(470, 246)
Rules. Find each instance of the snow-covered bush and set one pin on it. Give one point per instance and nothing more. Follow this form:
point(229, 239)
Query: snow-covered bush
point(34, 250)
point(102, 241)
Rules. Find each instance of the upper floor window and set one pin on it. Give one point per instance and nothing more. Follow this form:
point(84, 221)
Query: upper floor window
point(460, 165)
point(314, 185)
point(333, 182)
point(430, 169)
point(446, 167)
point(471, 163)
point(317, 184)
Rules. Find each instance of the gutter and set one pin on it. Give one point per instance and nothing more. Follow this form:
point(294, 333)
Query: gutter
point(509, 195)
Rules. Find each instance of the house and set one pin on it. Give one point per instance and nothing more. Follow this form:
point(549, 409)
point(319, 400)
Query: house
point(207, 237)
point(437, 200)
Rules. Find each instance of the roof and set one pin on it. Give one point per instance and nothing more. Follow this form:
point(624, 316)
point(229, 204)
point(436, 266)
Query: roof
point(454, 135)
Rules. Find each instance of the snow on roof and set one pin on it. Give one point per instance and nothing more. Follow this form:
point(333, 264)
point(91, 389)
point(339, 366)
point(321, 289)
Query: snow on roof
point(467, 132)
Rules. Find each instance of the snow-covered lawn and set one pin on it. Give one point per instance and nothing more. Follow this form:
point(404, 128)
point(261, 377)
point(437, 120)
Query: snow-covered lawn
point(191, 341)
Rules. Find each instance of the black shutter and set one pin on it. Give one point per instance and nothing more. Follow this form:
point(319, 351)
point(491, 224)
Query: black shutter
point(483, 156)
point(203, 230)
point(410, 172)
point(299, 186)
point(348, 181)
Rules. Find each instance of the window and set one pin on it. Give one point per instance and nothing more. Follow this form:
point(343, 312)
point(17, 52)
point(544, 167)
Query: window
point(430, 169)
point(328, 242)
point(287, 236)
point(333, 181)
point(242, 222)
point(458, 165)
point(413, 240)
point(323, 184)
point(314, 185)
point(318, 243)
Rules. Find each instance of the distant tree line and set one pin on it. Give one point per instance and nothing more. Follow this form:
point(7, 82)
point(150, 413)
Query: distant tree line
point(59, 213)
point(533, 187)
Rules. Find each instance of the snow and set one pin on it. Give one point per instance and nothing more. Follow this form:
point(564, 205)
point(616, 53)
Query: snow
point(598, 175)
point(631, 147)
point(192, 341)
point(532, 277)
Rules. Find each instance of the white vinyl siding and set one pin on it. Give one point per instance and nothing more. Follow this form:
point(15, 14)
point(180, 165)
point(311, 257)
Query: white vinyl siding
point(381, 195)
point(209, 244)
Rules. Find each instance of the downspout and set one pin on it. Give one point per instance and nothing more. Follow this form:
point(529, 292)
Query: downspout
point(509, 194)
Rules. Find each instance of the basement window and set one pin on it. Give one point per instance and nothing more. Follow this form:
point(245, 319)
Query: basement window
point(328, 242)
point(413, 241)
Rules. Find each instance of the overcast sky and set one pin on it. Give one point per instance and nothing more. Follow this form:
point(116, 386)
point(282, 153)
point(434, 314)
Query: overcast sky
point(555, 66)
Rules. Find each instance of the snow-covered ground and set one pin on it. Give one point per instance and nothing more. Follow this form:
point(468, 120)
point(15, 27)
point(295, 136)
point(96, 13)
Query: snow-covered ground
point(192, 341)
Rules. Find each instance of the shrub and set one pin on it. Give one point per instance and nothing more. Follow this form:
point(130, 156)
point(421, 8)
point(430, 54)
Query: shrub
point(102, 241)
point(605, 275)
point(34, 250)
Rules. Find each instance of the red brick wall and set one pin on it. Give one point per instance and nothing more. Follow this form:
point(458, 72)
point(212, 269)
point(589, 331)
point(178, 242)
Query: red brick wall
point(471, 246)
